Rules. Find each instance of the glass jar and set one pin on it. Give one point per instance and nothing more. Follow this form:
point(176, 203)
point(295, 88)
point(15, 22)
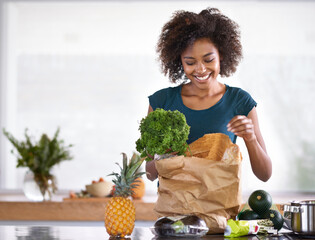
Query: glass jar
point(39, 188)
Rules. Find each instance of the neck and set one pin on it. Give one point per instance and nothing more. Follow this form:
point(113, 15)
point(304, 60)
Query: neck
point(212, 89)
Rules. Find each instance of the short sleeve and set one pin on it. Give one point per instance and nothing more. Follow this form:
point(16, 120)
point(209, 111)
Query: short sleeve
point(244, 103)
point(164, 98)
point(158, 99)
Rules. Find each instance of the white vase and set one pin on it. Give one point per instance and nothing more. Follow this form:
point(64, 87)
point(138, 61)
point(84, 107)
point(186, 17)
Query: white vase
point(32, 190)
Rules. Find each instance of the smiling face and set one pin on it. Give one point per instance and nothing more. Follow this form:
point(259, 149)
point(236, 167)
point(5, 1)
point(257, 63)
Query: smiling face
point(201, 63)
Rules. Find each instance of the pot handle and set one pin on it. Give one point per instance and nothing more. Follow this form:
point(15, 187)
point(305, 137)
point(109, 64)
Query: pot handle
point(293, 209)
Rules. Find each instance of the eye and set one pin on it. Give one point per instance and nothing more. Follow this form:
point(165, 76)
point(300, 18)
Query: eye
point(209, 60)
point(190, 63)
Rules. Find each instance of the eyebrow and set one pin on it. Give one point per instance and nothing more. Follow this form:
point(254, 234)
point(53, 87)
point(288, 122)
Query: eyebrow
point(206, 55)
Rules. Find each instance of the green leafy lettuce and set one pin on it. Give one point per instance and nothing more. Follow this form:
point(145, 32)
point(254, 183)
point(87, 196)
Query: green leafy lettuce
point(163, 132)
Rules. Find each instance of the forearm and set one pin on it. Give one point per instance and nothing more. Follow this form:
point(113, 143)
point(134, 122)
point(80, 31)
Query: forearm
point(259, 159)
point(151, 171)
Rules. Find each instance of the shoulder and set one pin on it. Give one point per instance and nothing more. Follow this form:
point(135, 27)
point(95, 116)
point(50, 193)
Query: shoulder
point(238, 93)
point(162, 96)
point(243, 102)
point(165, 92)
point(236, 90)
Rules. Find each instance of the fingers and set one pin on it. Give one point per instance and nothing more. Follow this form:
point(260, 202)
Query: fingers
point(242, 126)
point(242, 132)
point(239, 123)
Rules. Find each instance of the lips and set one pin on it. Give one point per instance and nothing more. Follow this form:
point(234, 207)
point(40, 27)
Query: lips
point(203, 78)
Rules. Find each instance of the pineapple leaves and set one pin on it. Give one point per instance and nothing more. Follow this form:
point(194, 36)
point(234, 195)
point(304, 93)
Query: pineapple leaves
point(125, 161)
point(129, 171)
point(135, 157)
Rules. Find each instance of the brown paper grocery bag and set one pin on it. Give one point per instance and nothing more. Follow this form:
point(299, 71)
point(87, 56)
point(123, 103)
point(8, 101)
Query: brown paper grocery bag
point(207, 188)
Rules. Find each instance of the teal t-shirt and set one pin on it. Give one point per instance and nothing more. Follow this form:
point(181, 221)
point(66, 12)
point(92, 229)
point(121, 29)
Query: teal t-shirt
point(235, 101)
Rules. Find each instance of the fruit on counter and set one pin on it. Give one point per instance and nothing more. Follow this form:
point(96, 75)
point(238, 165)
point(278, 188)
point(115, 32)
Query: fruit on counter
point(276, 218)
point(113, 191)
point(138, 189)
point(81, 194)
point(162, 132)
point(120, 210)
point(138, 186)
point(100, 180)
point(248, 215)
point(72, 194)
point(99, 189)
point(260, 201)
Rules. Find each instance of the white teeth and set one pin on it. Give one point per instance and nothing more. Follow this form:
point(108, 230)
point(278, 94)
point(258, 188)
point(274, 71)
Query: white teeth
point(203, 78)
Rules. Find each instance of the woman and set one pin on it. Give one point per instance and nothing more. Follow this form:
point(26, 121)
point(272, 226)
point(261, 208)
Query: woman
point(194, 49)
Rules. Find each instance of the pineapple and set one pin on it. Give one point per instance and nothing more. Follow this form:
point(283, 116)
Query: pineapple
point(120, 212)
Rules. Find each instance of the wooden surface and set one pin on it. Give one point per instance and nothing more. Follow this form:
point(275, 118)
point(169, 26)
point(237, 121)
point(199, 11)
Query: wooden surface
point(85, 209)
point(17, 207)
point(68, 210)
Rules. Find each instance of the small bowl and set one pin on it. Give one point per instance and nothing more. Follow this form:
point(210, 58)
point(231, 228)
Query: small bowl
point(99, 189)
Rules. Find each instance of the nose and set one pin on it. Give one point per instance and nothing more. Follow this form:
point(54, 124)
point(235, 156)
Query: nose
point(200, 68)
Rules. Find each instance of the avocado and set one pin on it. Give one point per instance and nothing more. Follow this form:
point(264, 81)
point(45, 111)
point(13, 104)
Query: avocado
point(260, 202)
point(248, 215)
point(276, 218)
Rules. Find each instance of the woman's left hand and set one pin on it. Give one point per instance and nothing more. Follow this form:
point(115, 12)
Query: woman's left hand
point(248, 129)
point(242, 126)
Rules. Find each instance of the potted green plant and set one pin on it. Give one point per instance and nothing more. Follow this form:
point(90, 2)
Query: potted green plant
point(39, 157)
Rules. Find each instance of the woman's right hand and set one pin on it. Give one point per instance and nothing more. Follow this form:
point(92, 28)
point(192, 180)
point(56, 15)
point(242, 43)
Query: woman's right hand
point(151, 171)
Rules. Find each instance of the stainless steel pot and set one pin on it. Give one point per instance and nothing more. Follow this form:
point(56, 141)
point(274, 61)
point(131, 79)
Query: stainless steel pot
point(301, 215)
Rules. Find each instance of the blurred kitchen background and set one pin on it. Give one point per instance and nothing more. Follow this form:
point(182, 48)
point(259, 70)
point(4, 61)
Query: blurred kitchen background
point(88, 67)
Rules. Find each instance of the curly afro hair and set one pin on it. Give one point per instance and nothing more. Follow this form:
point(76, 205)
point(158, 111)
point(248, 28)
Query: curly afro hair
point(185, 28)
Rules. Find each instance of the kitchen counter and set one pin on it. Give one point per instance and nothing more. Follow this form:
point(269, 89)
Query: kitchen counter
point(91, 209)
point(95, 233)
point(65, 218)
point(15, 207)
